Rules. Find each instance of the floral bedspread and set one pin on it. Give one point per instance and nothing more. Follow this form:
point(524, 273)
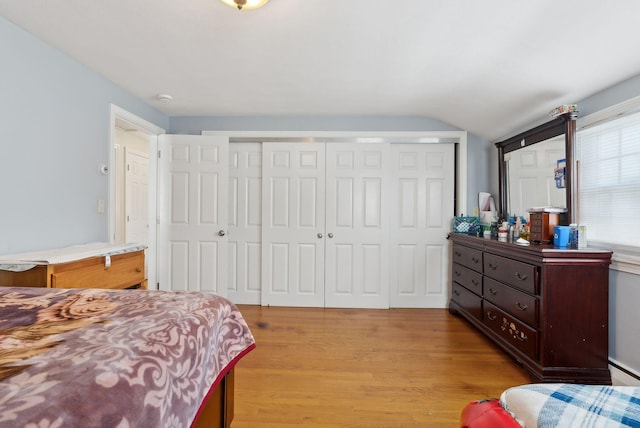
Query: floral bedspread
point(113, 358)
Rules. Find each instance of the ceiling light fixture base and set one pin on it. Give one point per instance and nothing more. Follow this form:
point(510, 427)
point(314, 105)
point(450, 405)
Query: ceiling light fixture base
point(245, 4)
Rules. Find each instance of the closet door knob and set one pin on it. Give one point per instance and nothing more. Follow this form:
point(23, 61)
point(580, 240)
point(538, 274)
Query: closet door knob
point(330, 235)
point(319, 235)
point(221, 233)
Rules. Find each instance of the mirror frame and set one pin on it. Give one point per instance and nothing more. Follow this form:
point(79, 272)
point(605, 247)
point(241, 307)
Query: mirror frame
point(563, 124)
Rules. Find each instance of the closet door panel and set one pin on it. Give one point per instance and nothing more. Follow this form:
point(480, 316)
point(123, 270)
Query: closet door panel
point(245, 223)
point(293, 201)
point(357, 225)
point(423, 182)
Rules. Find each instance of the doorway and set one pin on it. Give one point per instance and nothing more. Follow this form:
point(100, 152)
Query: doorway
point(132, 185)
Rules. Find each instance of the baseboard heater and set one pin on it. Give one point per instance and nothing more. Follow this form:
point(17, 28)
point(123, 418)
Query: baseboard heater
point(617, 365)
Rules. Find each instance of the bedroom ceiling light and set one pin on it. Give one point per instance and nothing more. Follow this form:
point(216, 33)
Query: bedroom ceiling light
point(245, 4)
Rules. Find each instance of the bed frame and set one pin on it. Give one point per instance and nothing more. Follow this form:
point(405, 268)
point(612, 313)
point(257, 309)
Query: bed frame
point(217, 410)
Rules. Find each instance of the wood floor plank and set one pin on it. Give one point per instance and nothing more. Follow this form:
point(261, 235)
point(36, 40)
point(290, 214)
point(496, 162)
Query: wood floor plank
point(365, 368)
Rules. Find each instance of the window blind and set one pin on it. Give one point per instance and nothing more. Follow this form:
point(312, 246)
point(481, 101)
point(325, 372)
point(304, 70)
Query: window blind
point(608, 155)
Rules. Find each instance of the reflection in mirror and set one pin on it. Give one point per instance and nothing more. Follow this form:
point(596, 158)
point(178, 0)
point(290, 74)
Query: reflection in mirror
point(527, 164)
point(531, 176)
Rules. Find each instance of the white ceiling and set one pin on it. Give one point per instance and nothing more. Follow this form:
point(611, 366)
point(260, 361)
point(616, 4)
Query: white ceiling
point(489, 67)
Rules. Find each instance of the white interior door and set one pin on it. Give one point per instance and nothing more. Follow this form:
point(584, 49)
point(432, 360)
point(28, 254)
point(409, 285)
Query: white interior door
point(293, 218)
point(357, 225)
point(193, 213)
point(245, 223)
point(136, 199)
point(423, 204)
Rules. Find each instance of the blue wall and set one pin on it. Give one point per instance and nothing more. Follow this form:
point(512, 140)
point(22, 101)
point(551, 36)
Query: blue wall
point(54, 132)
point(194, 125)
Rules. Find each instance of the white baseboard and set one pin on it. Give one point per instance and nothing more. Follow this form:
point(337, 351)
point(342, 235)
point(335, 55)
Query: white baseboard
point(623, 375)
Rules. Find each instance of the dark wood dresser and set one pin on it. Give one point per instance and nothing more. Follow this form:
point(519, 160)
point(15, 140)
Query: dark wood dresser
point(546, 307)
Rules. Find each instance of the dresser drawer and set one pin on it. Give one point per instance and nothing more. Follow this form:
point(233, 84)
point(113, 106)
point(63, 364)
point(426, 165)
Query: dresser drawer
point(469, 257)
point(517, 274)
point(468, 278)
point(469, 301)
point(515, 332)
point(517, 303)
point(126, 270)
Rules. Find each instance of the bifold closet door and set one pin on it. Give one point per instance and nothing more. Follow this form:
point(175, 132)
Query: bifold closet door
point(357, 225)
point(245, 223)
point(192, 243)
point(293, 196)
point(423, 200)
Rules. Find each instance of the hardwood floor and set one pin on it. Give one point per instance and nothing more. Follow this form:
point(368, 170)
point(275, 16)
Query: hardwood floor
point(365, 368)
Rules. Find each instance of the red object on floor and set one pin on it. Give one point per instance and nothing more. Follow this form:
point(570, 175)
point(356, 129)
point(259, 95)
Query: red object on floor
point(486, 414)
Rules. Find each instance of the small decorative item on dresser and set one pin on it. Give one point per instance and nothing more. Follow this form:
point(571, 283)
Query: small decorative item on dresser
point(467, 225)
point(573, 236)
point(582, 236)
point(542, 220)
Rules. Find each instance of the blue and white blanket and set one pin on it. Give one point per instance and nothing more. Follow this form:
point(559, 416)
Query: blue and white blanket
point(572, 405)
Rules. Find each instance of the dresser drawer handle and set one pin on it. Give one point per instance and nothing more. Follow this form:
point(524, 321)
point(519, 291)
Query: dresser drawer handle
point(491, 316)
point(456, 292)
point(521, 276)
point(456, 273)
point(458, 253)
point(474, 282)
point(492, 291)
point(522, 307)
point(521, 337)
point(475, 259)
point(492, 266)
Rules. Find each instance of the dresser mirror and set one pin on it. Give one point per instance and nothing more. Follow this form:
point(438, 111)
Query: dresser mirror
point(527, 164)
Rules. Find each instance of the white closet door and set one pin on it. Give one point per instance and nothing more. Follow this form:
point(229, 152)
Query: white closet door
point(357, 226)
point(193, 213)
point(293, 192)
point(245, 222)
point(422, 210)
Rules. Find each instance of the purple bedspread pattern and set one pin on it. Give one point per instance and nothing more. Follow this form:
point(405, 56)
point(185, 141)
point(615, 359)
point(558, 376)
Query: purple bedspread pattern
point(113, 358)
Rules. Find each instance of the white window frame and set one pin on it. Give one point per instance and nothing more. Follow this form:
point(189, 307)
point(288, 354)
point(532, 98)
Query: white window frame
point(625, 258)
